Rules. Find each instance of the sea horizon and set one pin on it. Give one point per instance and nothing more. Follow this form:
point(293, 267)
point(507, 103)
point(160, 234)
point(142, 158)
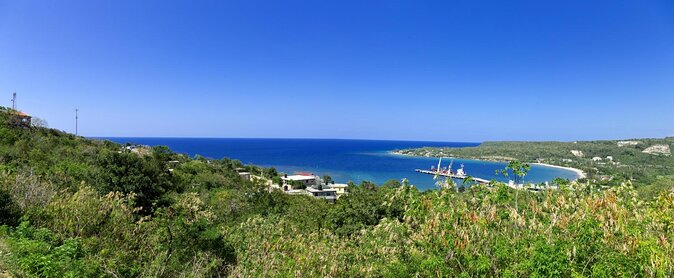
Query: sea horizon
point(285, 138)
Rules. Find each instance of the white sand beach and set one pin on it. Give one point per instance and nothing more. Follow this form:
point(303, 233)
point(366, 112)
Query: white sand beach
point(580, 174)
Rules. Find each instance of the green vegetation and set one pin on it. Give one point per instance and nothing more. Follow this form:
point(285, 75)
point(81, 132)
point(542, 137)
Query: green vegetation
point(651, 170)
point(519, 170)
point(73, 207)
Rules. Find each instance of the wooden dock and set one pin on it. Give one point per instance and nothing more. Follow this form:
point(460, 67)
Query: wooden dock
point(450, 175)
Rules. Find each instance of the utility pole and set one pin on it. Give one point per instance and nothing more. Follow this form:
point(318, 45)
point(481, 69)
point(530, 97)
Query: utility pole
point(76, 118)
point(14, 101)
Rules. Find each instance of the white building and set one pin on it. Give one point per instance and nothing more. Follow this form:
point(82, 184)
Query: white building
point(329, 194)
point(340, 188)
point(307, 180)
point(596, 158)
point(245, 175)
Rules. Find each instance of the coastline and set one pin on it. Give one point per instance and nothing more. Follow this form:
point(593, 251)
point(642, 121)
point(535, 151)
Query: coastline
point(579, 173)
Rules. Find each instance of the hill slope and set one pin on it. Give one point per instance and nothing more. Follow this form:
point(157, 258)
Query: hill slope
point(641, 161)
point(70, 206)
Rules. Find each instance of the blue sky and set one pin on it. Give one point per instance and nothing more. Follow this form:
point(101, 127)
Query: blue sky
point(414, 70)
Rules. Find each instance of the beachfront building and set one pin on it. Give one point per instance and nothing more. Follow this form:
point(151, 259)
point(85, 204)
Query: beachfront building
point(305, 179)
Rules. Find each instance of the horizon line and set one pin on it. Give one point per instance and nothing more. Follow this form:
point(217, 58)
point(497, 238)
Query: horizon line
point(278, 138)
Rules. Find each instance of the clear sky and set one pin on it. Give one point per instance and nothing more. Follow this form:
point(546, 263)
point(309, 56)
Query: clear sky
point(415, 70)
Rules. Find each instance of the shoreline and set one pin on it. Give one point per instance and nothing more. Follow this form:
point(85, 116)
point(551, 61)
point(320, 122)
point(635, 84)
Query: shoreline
point(580, 174)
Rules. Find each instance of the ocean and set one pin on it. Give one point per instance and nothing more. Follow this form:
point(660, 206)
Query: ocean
point(343, 160)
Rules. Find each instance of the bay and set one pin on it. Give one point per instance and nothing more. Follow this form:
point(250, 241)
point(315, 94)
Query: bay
point(343, 160)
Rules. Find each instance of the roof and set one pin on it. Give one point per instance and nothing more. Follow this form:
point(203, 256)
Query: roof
point(338, 185)
point(296, 192)
point(20, 113)
point(299, 178)
point(312, 190)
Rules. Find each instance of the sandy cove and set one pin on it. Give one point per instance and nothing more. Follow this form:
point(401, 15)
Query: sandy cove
point(578, 172)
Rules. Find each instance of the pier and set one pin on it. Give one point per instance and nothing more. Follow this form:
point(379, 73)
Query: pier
point(461, 175)
point(451, 175)
point(447, 172)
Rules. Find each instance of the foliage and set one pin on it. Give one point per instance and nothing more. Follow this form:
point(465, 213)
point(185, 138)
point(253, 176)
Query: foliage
point(74, 207)
point(327, 179)
point(628, 160)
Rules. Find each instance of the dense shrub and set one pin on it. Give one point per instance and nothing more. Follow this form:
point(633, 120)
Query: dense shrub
point(73, 207)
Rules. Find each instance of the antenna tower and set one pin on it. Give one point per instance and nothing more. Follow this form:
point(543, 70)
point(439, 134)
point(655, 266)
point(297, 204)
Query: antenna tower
point(76, 119)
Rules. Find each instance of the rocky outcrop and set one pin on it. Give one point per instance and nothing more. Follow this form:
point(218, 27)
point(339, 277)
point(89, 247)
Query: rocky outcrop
point(658, 150)
point(628, 143)
point(577, 153)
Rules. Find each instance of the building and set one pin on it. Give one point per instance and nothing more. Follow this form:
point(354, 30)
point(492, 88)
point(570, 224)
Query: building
point(19, 118)
point(596, 158)
point(245, 176)
point(312, 185)
point(340, 188)
point(296, 192)
point(329, 194)
point(304, 179)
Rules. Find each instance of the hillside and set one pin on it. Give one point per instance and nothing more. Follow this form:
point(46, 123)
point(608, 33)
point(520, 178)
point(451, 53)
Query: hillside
point(74, 207)
point(644, 162)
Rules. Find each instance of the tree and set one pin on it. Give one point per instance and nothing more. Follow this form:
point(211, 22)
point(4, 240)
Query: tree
point(327, 179)
point(466, 181)
point(561, 181)
point(368, 185)
point(519, 170)
point(38, 122)
point(9, 211)
point(392, 183)
point(270, 172)
point(128, 172)
point(298, 185)
point(447, 182)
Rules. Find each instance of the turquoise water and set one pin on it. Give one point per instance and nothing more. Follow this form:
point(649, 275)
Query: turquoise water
point(344, 160)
